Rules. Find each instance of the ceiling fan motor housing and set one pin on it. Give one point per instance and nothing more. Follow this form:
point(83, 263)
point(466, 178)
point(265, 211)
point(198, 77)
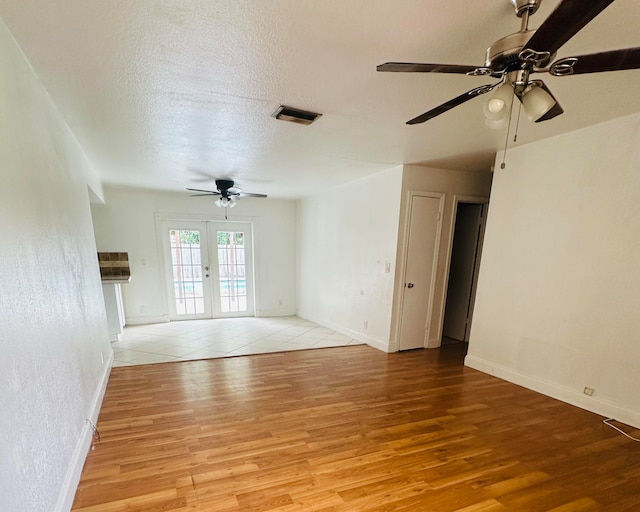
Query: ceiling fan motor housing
point(503, 55)
point(224, 186)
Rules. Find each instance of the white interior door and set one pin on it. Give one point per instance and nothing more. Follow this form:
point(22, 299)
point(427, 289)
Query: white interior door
point(420, 268)
point(232, 273)
point(186, 254)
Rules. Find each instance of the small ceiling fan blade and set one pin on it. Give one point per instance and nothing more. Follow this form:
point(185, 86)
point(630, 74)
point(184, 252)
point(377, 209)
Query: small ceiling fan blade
point(200, 190)
point(569, 17)
point(410, 67)
point(458, 100)
point(249, 194)
point(614, 60)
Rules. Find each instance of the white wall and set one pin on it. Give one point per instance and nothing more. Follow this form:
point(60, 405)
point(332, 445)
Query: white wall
point(454, 185)
point(559, 286)
point(54, 350)
point(127, 223)
point(345, 241)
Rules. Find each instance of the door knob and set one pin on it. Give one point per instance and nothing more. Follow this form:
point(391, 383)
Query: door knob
point(409, 285)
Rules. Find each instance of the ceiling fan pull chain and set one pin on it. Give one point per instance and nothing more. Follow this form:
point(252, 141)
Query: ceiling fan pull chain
point(515, 135)
point(506, 140)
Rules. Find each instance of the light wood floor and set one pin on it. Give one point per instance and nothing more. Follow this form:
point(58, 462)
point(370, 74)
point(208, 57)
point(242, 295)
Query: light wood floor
point(348, 429)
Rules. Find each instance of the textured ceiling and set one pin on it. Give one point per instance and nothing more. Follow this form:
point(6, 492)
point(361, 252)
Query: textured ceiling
point(162, 94)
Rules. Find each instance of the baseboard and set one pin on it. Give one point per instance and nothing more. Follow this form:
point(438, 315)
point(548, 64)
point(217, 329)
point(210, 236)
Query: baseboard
point(372, 342)
point(269, 313)
point(74, 471)
point(593, 404)
point(143, 320)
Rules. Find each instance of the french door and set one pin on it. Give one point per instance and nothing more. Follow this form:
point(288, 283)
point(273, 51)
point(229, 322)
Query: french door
point(209, 269)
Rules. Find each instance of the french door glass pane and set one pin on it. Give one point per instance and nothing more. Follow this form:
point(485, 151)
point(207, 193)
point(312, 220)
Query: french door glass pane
point(188, 286)
point(232, 271)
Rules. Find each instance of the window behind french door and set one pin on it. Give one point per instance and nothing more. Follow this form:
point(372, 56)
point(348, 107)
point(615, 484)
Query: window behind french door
point(209, 269)
point(187, 271)
point(232, 271)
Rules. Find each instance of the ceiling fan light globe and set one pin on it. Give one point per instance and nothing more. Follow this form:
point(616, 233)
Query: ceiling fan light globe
point(492, 110)
point(497, 106)
point(537, 102)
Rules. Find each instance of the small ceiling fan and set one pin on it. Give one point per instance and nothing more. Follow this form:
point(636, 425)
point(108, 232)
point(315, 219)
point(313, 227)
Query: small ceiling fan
point(228, 193)
point(516, 57)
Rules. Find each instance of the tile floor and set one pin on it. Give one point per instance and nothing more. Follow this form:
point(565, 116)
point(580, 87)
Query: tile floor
point(204, 339)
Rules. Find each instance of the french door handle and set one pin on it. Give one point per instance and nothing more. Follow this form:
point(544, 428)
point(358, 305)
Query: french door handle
point(409, 285)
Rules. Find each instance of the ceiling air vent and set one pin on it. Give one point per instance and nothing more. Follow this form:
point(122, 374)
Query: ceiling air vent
point(295, 115)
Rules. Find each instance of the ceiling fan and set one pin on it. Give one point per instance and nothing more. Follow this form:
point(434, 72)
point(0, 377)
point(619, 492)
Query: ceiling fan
point(516, 57)
point(228, 193)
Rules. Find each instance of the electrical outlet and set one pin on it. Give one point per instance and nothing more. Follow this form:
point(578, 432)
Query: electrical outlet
point(387, 267)
point(141, 309)
point(589, 391)
point(366, 325)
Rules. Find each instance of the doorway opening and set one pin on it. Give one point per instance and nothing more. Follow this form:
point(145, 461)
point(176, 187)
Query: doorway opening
point(463, 271)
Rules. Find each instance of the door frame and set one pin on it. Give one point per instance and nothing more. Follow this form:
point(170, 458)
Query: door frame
point(457, 198)
point(184, 217)
point(402, 269)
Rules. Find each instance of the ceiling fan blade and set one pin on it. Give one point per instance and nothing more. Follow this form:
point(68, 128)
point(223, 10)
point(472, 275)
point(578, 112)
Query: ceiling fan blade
point(458, 100)
point(614, 60)
point(200, 190)
point(569, 17)
point(249, 194)
point(409, 67)
point(207, 194)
